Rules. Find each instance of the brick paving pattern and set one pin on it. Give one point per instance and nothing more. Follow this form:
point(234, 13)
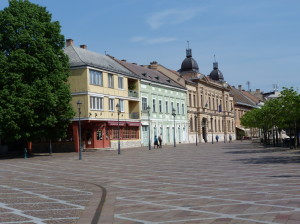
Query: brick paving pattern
point(237, 183)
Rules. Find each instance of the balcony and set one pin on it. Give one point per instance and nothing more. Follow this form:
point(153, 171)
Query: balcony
point(133, 93)
point(134, 115)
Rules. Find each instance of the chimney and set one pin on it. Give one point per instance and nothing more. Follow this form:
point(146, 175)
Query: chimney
point(69, 42)
point(153, 65)
point(240, 87)
point(83, 46)
point(257, 90)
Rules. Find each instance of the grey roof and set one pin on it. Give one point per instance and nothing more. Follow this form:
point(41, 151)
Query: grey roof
point(82, 57)
point(189, 64)
point(150, 74)
point(216, 74)
point(241, 98)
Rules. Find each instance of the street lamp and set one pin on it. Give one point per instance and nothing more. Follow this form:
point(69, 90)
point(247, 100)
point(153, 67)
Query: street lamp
point(212, 130)
point(174, 114)
point(196, 128)
point(148, 111)
point(119, 111)
point(79, 129)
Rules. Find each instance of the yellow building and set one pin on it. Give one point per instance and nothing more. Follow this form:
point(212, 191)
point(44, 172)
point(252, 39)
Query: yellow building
point(100, 84)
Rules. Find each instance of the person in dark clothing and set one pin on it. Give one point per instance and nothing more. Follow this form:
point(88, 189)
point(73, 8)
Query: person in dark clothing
point(155, 141)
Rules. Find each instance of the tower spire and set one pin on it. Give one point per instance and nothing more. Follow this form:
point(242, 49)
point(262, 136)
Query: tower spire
point(215, 64)
point(188, 50)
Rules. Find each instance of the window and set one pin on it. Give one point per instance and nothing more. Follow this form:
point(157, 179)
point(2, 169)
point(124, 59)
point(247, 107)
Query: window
point(144, 103)
point(178, 112)
point(201, 103)
point(96, 103)
point(182, 106)
point(121, 103)
point(167, 107)
point(111, 105)
point(153, 105)
point(191, 124)
point(190, 100)
point(96, 78)
point(172, 106)
point(195, 101)
point(120, 83)
point(110, 81)
point(160, 106)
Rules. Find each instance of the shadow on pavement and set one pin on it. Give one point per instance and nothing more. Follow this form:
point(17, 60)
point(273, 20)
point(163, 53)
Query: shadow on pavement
point(271, 160)
point(265, 150)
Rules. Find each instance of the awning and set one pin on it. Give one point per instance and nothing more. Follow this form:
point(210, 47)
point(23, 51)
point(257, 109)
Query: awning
point(135, 124)
point(115, 123)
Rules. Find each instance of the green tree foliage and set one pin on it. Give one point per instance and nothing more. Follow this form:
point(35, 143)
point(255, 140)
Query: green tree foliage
point(34, 94)
point(282, 113)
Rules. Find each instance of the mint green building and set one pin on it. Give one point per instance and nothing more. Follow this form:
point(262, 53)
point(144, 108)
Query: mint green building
point(161, 94)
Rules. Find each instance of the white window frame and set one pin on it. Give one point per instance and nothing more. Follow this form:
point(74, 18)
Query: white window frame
point(96, 103)
point(182, 106)
point(160, 106)
point(111, 103)
point(144, 106)
point(167, 106)
point(110, 79)
point(96, 77)
point(121, 82)
point(178, 108)
point(121, 104)
point(154, 105)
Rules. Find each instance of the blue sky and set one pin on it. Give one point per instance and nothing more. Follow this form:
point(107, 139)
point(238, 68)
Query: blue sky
point(255, 40)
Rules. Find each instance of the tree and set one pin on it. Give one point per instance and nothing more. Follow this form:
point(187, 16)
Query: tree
point(35, 97)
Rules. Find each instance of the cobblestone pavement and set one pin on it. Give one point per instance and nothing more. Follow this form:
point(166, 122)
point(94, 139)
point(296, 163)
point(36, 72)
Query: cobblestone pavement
point(237, 183)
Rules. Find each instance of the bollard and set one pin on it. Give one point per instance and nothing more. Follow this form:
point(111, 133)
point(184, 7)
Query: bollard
point(25, 153)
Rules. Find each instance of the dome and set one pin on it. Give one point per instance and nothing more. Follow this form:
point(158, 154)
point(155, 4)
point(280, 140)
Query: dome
point(189, 64)
point(216, 74)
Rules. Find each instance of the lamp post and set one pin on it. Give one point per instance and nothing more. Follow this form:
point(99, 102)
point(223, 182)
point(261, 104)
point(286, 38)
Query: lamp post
point(196, 129)
point(174, 114)
point(79, 129)
point(212, 130)
point(119, 111)
point(148, 111)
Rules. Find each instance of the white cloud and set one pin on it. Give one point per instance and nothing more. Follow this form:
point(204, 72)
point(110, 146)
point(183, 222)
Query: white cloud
point(158, 40)
point(171, 16)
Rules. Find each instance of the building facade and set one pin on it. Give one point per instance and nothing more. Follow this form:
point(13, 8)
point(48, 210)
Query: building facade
point(209, 103)
point(98, 84)
point(162, 95)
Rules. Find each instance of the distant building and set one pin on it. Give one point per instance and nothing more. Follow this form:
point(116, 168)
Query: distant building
point(100, 83)
point(243, 102)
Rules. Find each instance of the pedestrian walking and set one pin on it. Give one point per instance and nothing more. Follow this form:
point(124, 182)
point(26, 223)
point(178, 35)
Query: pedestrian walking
point(217, 138)
point(155, 141)
point(230, 138)
point(160, 140)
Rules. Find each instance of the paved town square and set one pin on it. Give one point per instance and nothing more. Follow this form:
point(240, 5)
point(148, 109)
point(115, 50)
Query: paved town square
point(210, 183)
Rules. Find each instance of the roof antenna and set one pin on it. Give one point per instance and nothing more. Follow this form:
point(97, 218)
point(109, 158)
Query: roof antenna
point(188, 44)
point(215, 58)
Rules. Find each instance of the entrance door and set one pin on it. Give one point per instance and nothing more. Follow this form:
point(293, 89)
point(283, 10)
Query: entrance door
point(168, 134)
point(179, 135)
point(145, 134)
